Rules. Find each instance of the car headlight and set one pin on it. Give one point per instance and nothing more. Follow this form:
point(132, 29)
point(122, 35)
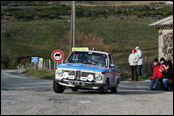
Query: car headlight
point(65, 75)
point(90, 77)
point(59, 72)
point(98, 77)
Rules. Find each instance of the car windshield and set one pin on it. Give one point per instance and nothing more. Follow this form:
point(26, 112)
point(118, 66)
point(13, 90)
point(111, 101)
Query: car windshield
point(88, 58)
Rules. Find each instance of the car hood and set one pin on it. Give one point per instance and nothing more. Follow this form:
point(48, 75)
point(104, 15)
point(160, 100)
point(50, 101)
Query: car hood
point(83, 67)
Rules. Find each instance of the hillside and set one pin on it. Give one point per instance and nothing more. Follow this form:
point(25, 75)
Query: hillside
point(42, 37)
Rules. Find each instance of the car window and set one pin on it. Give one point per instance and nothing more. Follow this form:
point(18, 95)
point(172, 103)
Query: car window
point(111, 61)
point(88, 58)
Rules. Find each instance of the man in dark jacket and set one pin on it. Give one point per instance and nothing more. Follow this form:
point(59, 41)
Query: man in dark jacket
point(168, 76)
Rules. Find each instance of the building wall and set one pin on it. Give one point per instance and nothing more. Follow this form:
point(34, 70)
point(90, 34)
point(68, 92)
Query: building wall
point(165, 41)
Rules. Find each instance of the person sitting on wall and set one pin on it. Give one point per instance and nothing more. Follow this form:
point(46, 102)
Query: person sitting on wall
point(155, 76)
point(168, 76)
point(162, 67)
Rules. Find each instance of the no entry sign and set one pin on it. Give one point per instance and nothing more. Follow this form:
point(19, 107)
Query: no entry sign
point(57, 55)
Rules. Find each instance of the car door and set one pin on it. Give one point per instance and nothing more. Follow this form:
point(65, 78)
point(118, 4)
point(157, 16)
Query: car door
point(116, 72)
point(112, 70)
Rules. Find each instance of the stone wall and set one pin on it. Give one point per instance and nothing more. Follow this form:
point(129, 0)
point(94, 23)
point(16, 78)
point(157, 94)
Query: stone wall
point(166, 44)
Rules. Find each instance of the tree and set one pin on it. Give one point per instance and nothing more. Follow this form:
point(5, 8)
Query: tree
point(91, 41)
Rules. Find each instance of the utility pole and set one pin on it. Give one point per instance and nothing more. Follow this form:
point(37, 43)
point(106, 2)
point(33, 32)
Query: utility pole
point(73, 26)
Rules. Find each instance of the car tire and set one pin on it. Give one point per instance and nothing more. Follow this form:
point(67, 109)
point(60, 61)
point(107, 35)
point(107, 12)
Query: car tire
point(115, 89)
point(57, 87)
point(74, 89)
point(104, 89)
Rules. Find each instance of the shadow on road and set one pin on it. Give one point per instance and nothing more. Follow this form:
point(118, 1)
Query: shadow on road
point(120, 92)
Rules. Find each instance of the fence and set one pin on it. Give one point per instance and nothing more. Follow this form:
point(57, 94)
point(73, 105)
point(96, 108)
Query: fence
point(46, 64)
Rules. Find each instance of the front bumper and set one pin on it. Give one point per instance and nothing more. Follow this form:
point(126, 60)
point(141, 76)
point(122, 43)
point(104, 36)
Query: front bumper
point(79, 84)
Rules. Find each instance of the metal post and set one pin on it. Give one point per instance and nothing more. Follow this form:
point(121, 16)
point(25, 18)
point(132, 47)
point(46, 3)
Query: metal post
point(50, 64)
point(74, 23)
point(73, 26)
point(54, 65)
point(71, 31)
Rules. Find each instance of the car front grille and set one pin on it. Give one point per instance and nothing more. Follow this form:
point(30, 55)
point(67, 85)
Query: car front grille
point(78, 73)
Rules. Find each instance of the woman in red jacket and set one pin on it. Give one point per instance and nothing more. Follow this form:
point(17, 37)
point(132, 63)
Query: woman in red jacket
point(155, 75)
point(159, 80)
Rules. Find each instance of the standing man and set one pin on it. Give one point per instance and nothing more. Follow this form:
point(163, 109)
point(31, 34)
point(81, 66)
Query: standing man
point(140, 61)
point(133, 61)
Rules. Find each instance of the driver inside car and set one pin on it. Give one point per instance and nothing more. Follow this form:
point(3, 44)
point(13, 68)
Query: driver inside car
point(101, 62)
point(82, 59)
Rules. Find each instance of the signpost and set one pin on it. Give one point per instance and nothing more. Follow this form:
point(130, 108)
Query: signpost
point(35, 60)
point(40, 63)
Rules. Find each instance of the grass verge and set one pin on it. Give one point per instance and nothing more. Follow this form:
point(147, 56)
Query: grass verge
point(43, 74)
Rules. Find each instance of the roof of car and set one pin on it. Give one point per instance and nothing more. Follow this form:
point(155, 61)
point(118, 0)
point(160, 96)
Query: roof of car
point(91, 51)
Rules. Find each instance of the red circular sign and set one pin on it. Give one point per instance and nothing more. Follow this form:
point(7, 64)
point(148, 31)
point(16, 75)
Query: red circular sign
point(57, 55)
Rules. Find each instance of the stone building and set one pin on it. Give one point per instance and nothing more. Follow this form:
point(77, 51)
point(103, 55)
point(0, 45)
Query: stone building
point(165, 38)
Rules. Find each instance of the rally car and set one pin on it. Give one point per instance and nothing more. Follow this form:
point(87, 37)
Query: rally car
point(87, 70)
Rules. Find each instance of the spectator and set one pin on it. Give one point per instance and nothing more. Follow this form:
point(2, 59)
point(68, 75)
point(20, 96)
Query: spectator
point(140, 61)
point(155, 75)
point(152, 66)
point(133, 61)
point(162, 63)
point(168, 76)
point(159, 80)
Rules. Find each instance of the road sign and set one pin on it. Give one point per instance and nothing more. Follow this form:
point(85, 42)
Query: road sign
point(34, 59)
point(40, 59)
point(57, 55)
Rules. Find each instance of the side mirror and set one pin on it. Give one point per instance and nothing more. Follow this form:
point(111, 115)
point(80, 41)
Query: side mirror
point(112, 65)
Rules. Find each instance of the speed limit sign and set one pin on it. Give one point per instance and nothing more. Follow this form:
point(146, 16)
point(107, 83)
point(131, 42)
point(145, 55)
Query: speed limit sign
point(57, 55)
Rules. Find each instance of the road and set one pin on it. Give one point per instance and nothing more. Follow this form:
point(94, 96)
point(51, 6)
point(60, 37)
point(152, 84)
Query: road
point(22, 95)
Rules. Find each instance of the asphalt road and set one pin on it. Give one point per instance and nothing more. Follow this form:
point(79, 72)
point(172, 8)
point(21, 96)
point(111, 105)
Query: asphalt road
point(22, 95)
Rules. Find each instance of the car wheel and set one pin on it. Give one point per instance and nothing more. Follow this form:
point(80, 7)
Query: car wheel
point(57, 87)
point(74, 89)
point(104, 89)
point(114, 90)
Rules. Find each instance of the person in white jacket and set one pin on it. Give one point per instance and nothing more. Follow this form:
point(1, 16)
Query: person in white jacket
point(133, 61)
point(140, 61)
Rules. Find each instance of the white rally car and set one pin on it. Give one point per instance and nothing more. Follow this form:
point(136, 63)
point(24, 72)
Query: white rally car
point(87, 70)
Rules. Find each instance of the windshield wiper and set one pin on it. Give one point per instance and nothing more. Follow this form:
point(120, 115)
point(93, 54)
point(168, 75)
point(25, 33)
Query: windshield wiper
point(71, 62)
point(93, 63)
